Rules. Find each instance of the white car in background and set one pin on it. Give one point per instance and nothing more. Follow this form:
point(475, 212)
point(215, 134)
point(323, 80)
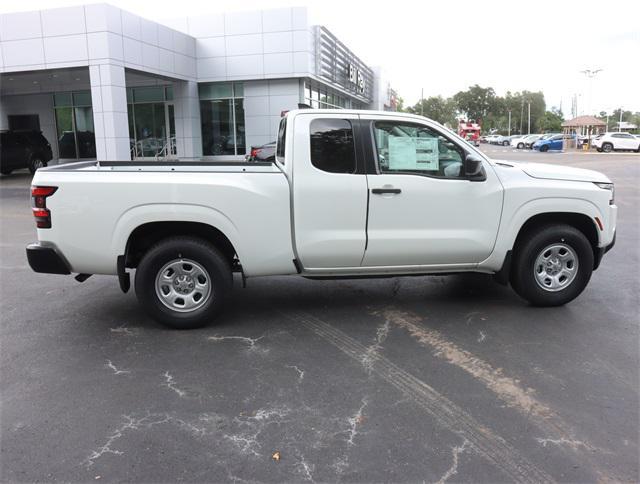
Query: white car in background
point(617, 141)
point(518, 141)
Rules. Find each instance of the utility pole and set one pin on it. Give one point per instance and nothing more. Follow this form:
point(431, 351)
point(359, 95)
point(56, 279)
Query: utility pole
point(620, 124)
point(607, 124)
point(509, 123)
point(521, 115)
point(529, 122)
point(422, 102)
point(590, 74)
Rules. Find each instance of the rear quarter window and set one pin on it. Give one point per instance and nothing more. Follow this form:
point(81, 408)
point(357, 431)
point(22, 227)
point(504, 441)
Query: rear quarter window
point(332, 145)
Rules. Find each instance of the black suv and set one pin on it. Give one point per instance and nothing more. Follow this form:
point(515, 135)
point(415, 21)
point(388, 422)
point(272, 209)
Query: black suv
point(23, 149)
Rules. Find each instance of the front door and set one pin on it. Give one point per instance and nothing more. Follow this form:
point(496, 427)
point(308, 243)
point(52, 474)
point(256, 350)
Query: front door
point(329, 192)
point(422, 210)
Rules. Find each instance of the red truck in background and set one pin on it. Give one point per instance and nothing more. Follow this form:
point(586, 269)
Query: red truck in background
point(469, 130)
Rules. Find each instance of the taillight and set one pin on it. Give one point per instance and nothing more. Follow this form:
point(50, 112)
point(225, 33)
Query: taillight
point(254, 152)
point(39, 207)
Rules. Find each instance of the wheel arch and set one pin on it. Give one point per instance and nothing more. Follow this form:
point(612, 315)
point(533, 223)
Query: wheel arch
point(146, 235)
point(580, 221)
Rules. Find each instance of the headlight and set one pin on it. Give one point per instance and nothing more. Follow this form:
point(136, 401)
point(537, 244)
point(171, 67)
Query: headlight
point(607, 186)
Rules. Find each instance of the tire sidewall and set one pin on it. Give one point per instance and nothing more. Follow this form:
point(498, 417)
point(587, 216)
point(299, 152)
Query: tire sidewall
point(607, 147)
point(523, 278)
point(187, 248)
point(32, 164)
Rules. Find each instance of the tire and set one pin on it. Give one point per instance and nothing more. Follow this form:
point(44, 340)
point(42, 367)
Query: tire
point(520, 146)
point(35, 163)
point(505, 143)
point(607, 147)
point(531, 280)
point(599, 150)
point(544, 148)
point(192, 266)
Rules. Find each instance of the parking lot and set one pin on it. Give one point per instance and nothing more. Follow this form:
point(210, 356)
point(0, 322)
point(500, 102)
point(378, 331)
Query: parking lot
point(419, 379)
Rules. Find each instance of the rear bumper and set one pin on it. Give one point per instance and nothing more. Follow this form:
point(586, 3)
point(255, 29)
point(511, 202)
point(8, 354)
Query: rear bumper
point(602, 251)
point(46, 260)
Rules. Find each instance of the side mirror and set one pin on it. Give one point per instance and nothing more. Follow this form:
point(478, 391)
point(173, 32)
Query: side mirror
point(473, 168)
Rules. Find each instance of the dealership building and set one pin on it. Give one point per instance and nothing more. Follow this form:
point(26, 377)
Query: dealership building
point(102, 83)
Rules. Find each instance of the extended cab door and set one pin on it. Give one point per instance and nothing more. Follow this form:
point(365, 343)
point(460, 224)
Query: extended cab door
point(329, 190)
point(423, 211)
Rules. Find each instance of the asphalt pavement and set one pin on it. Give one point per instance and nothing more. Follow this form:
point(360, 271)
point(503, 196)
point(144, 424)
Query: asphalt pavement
point(418, 379)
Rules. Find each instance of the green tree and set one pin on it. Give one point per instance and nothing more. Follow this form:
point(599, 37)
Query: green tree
point(550, 121)
point(476, 102)
point(442, 110)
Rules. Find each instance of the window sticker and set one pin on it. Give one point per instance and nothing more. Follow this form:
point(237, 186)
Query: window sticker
point(409, 153)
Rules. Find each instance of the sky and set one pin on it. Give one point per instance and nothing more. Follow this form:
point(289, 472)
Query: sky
point(445, 46)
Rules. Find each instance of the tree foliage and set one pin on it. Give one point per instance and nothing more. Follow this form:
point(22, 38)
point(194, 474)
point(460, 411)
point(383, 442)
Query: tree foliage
point(492, 111)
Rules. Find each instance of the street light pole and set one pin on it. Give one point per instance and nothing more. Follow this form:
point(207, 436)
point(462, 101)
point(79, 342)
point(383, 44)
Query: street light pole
point(591, 73)
point(422, 102)
point(509, 123)
point(529, 122)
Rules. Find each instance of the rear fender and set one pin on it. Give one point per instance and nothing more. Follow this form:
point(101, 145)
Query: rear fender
point(149, 213)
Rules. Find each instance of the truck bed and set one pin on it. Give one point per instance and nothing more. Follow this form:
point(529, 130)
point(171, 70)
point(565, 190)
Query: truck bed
point(97, 205)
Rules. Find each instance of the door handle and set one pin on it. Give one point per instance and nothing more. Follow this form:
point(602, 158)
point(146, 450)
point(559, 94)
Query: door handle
point(380, 191)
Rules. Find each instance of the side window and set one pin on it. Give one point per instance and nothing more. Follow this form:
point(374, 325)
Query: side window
point(413, 148)
point(332, 145)
point(280, 144)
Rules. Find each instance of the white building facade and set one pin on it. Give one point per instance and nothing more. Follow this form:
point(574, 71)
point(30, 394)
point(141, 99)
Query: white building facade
point(102, 83)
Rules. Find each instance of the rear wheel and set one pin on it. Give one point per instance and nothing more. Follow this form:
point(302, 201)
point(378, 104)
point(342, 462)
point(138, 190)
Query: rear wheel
point(552, 266)
point(183, 282)
point(35, 163)
point(520, 146)
point(607, 147)
point(505, 143)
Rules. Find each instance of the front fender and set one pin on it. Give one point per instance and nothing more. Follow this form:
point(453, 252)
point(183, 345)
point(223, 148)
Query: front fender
point(514, 221)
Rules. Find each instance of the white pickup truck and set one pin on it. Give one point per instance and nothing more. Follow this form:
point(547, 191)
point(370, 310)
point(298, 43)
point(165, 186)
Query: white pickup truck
point(351, 194)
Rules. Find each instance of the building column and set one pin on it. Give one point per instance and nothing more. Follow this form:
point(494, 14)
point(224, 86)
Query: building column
point(109, 101)
point(4, 119)
point(187, 118)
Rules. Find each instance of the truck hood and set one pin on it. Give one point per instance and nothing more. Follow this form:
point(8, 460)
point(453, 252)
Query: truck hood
point(559, 172)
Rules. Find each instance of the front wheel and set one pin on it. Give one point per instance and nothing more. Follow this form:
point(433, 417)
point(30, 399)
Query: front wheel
point(552, 266)
point(505, 143)
point(520, 146)
point(182, 282)
point(607, 147)
point(544, 148)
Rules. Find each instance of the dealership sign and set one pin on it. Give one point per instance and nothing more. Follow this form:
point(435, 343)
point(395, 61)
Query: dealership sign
point(356, 78)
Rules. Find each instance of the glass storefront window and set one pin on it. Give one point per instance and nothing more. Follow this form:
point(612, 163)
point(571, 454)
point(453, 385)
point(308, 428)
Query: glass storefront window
point(148, 94)
point(62, 99)
point(222, 117)
point(323, 97)
point(74, 125)
point(215, 91)
point(82, 98)
point(65, 132)
point(151, 121)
